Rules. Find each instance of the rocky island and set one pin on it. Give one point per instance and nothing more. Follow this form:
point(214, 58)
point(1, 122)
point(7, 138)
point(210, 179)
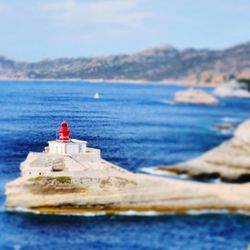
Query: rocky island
point(69, 177)
point(230, 161)
point(194, 96)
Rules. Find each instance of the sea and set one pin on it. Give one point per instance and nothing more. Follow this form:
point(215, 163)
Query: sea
point(136, 126)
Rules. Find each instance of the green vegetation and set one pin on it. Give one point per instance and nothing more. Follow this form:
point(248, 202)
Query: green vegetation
point(58, 179)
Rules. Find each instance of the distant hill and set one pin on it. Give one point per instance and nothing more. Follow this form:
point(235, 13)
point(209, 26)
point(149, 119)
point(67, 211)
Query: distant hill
point(159, 64)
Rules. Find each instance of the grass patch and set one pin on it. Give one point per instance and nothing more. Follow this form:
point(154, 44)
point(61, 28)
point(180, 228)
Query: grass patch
point(58, 179)
point(54, 185)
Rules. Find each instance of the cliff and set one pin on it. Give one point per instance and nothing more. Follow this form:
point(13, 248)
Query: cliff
point(160, 64)
point(230, 161)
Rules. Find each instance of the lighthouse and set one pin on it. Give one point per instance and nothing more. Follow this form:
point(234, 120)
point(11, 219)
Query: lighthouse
point(65, 145)
point(62, 157)
point(64, 132)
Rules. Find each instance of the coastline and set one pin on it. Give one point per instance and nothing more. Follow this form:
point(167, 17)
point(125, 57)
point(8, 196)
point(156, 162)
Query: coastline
point(140, 211)
point(185, 83)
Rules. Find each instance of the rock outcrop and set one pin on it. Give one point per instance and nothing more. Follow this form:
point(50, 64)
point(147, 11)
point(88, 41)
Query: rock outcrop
point(230, 161)
point(194, 96)
point(110, 189)
point(121, 193)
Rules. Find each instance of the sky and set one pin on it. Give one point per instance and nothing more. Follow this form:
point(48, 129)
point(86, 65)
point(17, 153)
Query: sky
point(32, 30)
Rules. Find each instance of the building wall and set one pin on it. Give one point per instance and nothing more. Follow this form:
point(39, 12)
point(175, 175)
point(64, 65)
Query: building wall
point(42, 164)
point(73, 147)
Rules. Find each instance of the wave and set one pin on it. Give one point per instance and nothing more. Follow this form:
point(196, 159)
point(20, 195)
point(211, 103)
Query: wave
point(155, 171)
point(186, 177)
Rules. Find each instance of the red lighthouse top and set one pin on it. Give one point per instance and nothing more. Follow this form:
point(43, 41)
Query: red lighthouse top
point(64, 132)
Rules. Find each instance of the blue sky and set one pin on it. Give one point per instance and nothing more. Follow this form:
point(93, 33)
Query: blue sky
point(37, 29)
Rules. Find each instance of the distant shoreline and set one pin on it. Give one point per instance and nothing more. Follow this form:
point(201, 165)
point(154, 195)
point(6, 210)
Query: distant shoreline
point(119, 81)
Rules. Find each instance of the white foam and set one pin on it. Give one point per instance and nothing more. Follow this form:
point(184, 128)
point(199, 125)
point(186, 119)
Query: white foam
point(23, 210)
point(230, 119)
point(85, 214)
point(207, 211)
point(133, 212)
point(186, 177)
point(156, 171)
point(243, 212)
point(216, 211)
point(170, 102)
point(222, 131)
point(28, 210)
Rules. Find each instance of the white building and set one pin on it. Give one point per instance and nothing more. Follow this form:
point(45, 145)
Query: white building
point(72, 146)
point(62, 157)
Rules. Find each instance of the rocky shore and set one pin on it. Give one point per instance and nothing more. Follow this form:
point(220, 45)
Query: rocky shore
point(230, 161)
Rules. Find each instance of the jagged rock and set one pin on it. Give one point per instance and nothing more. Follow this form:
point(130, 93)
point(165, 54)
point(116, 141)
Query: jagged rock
point(230, 161)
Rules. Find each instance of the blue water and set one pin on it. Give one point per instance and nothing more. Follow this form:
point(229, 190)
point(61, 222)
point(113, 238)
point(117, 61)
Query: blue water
point(135, 126)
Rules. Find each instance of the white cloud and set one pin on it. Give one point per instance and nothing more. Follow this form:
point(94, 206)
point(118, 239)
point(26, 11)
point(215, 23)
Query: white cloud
point(128, 13)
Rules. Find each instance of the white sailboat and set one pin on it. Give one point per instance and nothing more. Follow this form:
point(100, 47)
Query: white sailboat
point(96, 96)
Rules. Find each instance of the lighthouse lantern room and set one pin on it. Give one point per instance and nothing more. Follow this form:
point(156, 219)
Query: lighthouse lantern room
point(65, 145)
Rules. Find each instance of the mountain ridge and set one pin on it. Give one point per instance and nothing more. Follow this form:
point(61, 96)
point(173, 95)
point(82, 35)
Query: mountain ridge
point(158, 64)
